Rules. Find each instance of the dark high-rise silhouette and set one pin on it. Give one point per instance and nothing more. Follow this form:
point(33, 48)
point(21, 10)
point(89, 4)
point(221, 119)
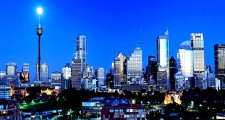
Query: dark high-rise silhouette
point(173, 71)
point(39, 33)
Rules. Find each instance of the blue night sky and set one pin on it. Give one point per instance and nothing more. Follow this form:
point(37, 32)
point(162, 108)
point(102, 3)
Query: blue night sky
point(111, 26)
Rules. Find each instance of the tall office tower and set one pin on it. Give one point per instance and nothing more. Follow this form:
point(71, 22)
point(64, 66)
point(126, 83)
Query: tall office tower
point(76, 73)
point(185, 59)
point(43, 73)
point(197, 44)
point(134, 66)
point(186, 62)
point(88, 72)
point(173, 71)
point(81, 50)
point(66, 77)
point(219, 58)
point(11, 68)
point(163, 56)
point(151, 59)
point(56, 80)
point(25, 75)
point(100, 75)
point(119, 70)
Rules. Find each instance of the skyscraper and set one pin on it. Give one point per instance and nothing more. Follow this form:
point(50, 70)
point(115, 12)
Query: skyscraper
point(134, 66)
point(219, 58)
point(197, 44)
point(76, 73)
point(66, 71)
point(43, 73)
point(11, 68)
point(119, 70)
point(185, 59)
point(100, 75)
point(173, 71)
point(81, 50)
point(185, 62)
point(66, 77)
point(163, 57)
point(56, 79)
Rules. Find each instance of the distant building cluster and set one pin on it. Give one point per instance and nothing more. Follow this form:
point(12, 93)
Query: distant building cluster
point(162, 73)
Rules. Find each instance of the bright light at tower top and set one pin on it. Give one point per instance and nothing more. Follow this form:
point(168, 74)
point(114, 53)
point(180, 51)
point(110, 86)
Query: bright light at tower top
point(39, 11)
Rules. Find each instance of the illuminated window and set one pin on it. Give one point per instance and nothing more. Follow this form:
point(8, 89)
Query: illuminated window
point(111, 110)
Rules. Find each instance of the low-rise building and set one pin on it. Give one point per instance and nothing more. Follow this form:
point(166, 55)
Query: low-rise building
point(9, 110)
point(123, 112)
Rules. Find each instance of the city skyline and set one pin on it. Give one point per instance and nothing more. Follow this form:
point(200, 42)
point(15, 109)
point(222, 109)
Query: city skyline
point(103, 37)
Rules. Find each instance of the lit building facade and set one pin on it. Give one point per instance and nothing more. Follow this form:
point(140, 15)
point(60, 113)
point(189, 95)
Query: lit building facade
point(76, 73)
point(100, 75)
point(25, 75)
point(119, 70)
point(5, 91)
point(186, 61)
point(88, 72)
point(11, 68)
point(134, 66)
point(163, 58)
point(43, 72)
point(66, 77)
point(197, 44)
point(124, 112)
point(56, 80)
point(81, 50)
point(9, 110)
point(219, 59)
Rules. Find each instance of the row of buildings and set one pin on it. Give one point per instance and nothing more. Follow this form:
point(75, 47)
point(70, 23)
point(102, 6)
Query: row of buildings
point(163, 72)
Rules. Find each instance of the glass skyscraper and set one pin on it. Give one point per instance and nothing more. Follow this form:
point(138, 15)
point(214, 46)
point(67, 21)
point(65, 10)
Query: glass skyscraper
point(81, 50)
point(134, 66)
point(119, 70)
point(100, 75)
point(66, 77)
point(185, 59)
point(219, 58)
point(44, 73)
point(163, 58)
